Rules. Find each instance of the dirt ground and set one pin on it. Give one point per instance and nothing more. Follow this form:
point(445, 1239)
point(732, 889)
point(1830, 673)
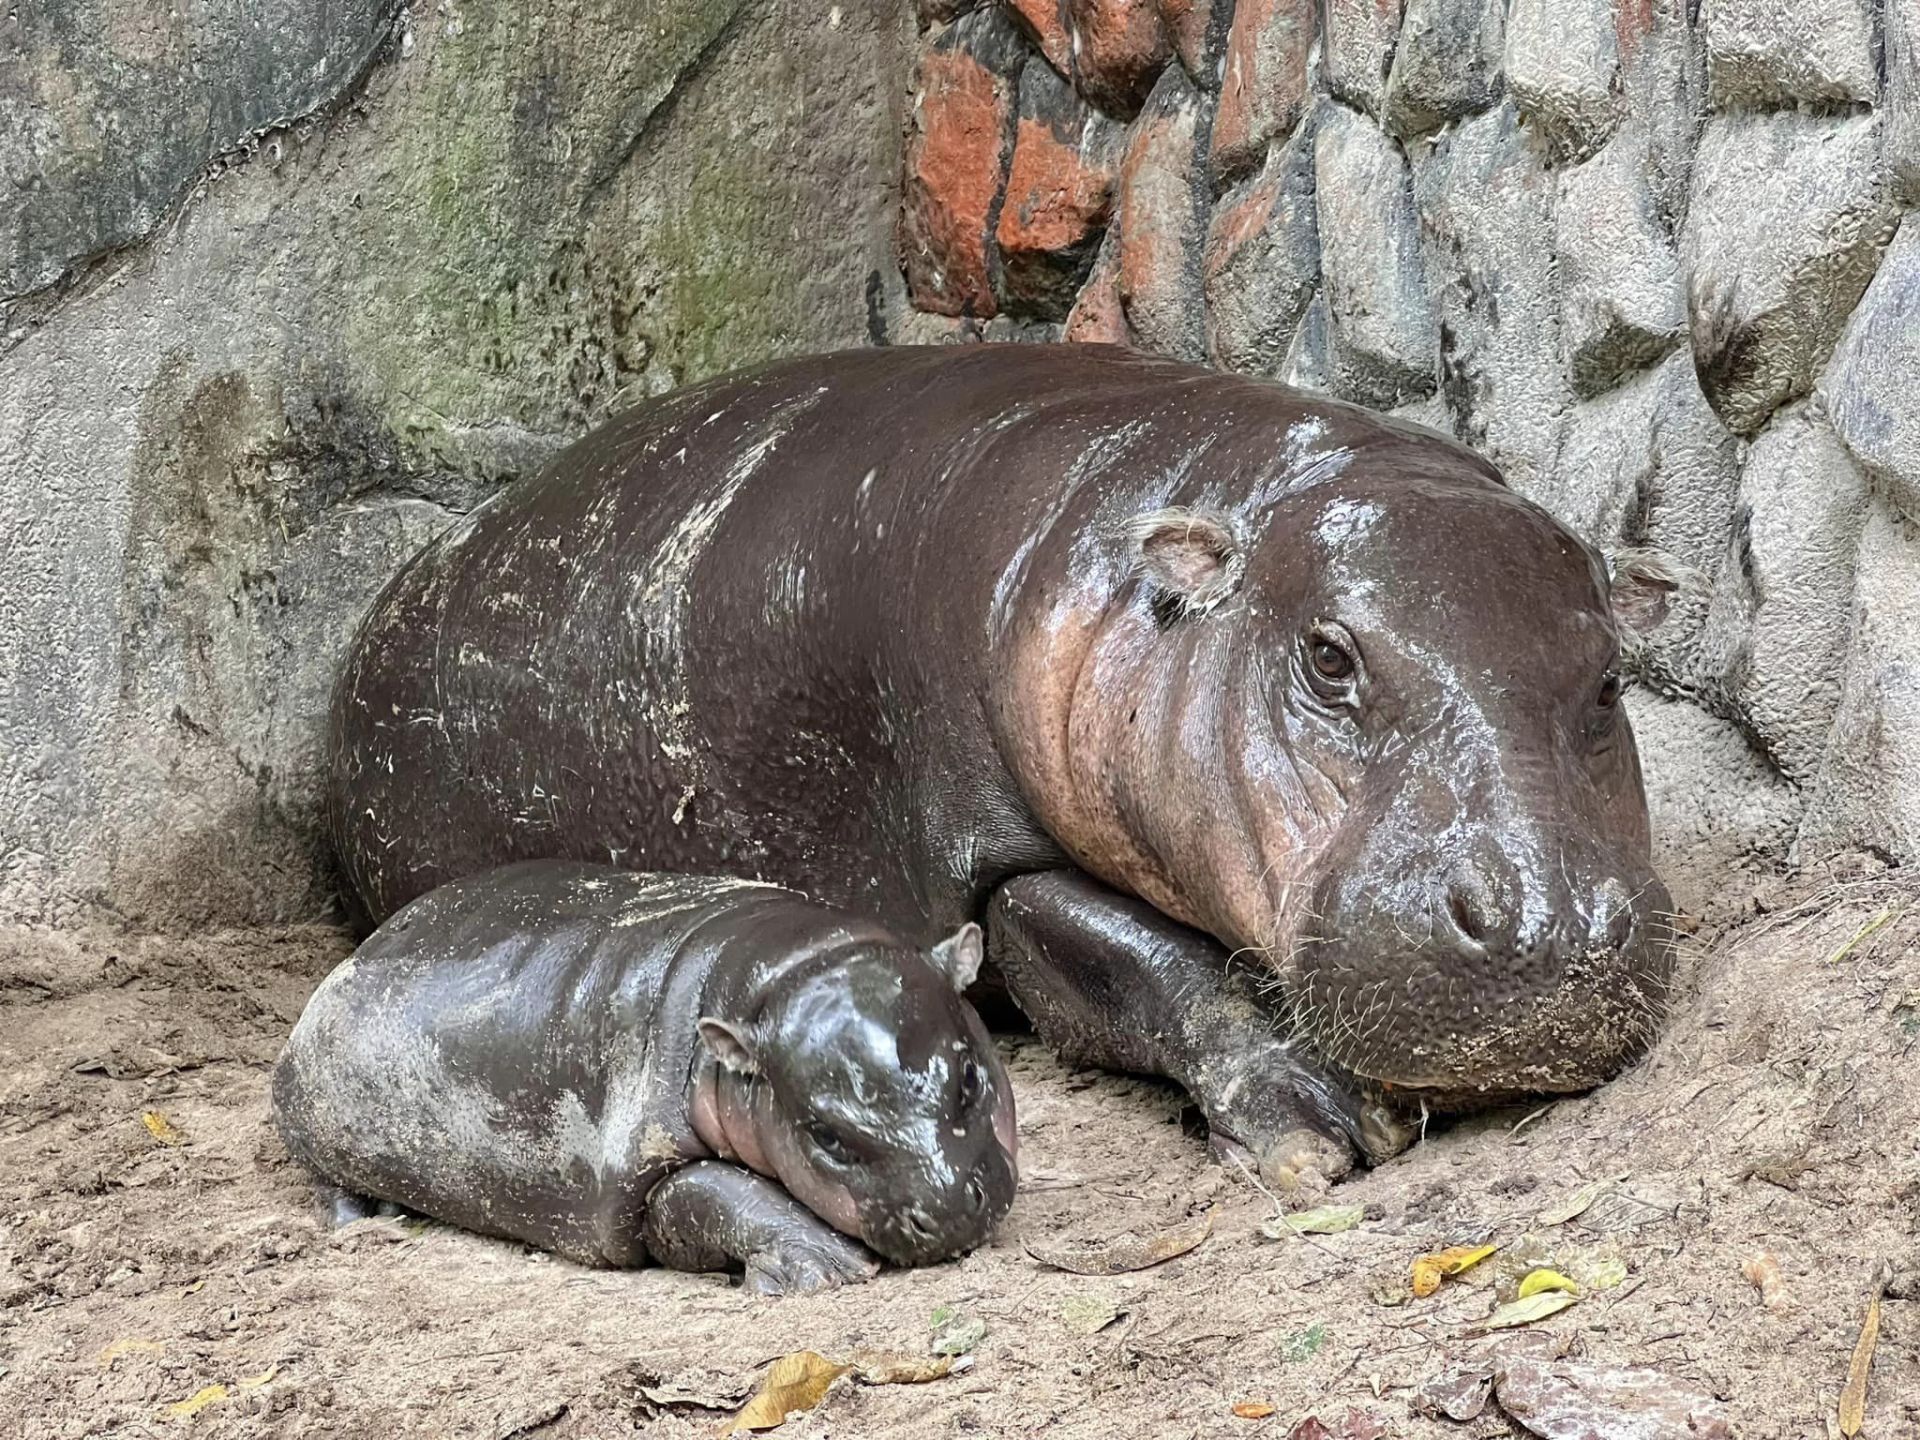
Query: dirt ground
point(1778, 1115)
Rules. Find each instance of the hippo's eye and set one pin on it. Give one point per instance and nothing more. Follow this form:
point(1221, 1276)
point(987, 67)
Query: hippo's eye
point(1330, 660)
point(829, 1144)
point(1610, 687)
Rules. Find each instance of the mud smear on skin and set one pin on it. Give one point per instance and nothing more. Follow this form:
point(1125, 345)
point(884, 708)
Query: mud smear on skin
point(1777, 1065)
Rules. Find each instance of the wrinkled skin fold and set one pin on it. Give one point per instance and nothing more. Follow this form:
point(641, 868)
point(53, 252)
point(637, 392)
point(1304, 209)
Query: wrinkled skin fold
point(897, 627)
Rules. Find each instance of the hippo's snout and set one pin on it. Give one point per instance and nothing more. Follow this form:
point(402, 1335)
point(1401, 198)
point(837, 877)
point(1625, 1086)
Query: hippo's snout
point(1480, 975)
point(956, 1219)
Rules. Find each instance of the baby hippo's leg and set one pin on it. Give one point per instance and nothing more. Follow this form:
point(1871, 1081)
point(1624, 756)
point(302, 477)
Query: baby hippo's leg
point(1108, 980)
point(712, 1215)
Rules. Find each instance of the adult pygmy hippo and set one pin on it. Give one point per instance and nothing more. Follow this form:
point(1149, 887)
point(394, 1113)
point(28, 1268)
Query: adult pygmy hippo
point(909, 629)
point(617, 1065)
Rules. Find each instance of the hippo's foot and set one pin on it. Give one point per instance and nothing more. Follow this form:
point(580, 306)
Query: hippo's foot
point(713, 1215)
point(1108, 980)
point(342, 1206)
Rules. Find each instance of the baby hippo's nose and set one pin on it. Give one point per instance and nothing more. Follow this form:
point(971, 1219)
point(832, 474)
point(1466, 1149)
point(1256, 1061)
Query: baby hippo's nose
point(920, 1226)
point(959, 1217)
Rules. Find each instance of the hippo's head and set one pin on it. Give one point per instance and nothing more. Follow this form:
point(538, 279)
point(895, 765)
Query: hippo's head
point(877, 1098)
point(1371, 730)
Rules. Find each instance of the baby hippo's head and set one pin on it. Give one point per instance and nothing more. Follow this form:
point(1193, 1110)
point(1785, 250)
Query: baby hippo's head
point(875, 1095)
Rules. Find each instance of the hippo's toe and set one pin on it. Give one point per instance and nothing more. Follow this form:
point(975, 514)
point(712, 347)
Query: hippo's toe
point(1295, 1162)
point(803, 1265)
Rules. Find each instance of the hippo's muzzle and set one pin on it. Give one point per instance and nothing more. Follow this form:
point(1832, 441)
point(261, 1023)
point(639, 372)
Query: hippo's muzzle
point(946, 1221)
point(1487, 971)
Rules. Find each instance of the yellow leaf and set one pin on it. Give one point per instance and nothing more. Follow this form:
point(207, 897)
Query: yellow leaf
point(1253, 1409)
point(1860, 936)
point(794, 1382)
point(1525, 1312)
point(128, 1347)
point(1428, 1269)
point(160, 1127)
point(1605, 1274)
point(1540, 1281)
point(1853, 1399)
point(254, 1382)
point(195, 1403)
point(195, 1288)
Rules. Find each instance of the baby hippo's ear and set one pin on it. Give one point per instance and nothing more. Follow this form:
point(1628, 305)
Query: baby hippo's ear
point(958, 956)
point(1192, 557)
point(1644, 583)
point(732, 1045)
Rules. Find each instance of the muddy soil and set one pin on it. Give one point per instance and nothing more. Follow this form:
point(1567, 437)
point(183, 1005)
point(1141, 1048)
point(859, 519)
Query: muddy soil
point(1779, 1115)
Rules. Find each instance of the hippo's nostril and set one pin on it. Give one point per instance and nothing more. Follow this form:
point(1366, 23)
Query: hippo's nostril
point(1613, 920)
point(976, 1195)
point(920, 1223)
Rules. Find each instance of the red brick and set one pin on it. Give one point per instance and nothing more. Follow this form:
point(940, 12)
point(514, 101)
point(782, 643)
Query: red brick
point(956, 165)
point(1119, 49)
point(1265, 85)
point(1097, 317)
point(1162, 221)
point(1632, 19)
point(1059, 194)
point(1046, 22)
point(1189, 24)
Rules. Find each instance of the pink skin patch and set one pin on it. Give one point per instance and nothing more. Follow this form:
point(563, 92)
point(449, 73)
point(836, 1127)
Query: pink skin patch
point(733, 1117)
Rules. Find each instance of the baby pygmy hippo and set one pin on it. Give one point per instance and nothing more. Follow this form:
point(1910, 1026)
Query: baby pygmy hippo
point(618, 1066)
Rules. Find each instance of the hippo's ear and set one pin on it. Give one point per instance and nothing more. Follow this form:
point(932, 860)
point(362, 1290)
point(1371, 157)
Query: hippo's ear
point(732, 1045)
point(1644, 583)
point(1192, 557)
point(958, 956)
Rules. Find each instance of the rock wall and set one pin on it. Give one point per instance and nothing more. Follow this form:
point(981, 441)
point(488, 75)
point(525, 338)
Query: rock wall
point(1655, 258)
point(284, 286)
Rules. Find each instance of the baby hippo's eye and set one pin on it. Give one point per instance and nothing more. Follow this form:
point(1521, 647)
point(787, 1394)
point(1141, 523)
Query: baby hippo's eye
point(1610, 685)
point(829, 1144)
point(972, 1084)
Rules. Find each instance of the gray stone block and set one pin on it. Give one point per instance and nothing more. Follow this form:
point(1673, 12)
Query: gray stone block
point(1872, 388)
point(1381, 324)
point(1718, 809)
point(1782, 603)
point(1446, 65)
point(1162, 215)
point(1775, 54)
point(1562, 57)
point(1357, 49)
point(1486, 206)
point(1788, 217)
point(1263, 261)
point(1900, 102)
point(1869, 789)
point(1622, 302)
point(1308, 363)
point(109, 111)
point(1651, 464)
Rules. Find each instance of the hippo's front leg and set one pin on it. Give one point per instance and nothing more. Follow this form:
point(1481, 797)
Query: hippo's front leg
point(713, 1215)
point(1108, 980)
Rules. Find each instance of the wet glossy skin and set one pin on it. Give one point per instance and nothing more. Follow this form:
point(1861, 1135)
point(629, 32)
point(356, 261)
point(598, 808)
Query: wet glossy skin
point(897, 627)
point(554, 1052)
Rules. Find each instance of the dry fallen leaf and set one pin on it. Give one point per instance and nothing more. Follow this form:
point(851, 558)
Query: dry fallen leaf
point(254, 1382)
point(160, 1128)
point(1853, 1399)
point(890, 1367)
point(1763, 1273)
point(1459, 1393)
point(954, 1332)
point(1253, 1409)
point(191, 1406)
point(1356, 1425)
point(1429, 1269)
point(195, 1288)
point(1860, 937)
point(1088, 1314)
point(1326, 1220)
point(1539, 1281)
point(1576, 1203)
point(1570, 1400)
point(1525, 1312)
point(1125, 1252)
point(113, 1352)
point(793, 1382)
